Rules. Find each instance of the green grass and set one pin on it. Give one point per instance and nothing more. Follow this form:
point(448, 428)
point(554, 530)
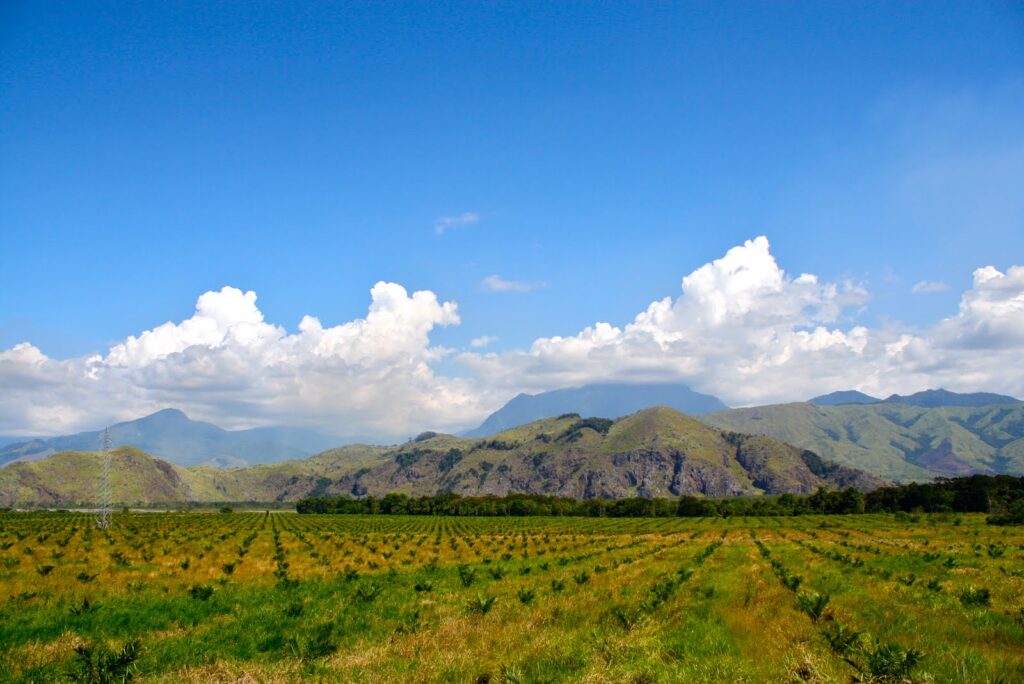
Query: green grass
point(403, 599)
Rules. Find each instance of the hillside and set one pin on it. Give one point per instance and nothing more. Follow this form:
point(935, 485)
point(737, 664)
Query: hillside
point(610, 400)
point(173, 436)
point(933, 398)
point(894, 440)
point(72, 477)
point(655, 452)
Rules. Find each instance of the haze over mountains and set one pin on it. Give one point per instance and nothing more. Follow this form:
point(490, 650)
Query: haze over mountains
point(171, 435)
point(605, 400)
point(654, 452)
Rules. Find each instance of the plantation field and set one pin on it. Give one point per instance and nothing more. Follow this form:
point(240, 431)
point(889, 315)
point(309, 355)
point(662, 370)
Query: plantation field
point(281, 597)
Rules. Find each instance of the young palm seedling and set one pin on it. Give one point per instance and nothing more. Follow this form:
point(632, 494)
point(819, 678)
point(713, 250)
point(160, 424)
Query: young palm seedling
point(481, 605)
point(886, 664)
point(367, 592)
point(841, 639)
point(98, 664)
point(812, 603)
point(200, 592)
point(467, 575)
point(971, 597)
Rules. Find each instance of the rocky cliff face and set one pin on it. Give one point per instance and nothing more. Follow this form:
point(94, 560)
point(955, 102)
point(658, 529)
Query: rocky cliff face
point(656, 452)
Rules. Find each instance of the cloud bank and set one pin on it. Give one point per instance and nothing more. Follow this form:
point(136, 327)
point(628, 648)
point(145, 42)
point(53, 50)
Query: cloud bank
point(369, 376)
point(740, 328)
point(747, 332)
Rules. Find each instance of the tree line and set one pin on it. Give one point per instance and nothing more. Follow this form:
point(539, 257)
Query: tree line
point(1002, 495)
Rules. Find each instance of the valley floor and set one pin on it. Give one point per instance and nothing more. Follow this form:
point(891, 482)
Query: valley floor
point(266, 597)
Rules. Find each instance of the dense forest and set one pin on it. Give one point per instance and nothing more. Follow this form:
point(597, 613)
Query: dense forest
point(1000, 495)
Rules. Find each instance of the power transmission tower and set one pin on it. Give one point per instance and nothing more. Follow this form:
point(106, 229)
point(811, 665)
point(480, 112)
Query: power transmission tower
point(103, 514)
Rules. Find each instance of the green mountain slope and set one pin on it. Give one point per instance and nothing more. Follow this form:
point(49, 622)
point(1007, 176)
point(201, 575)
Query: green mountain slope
point(895, 441)
point(655, 452)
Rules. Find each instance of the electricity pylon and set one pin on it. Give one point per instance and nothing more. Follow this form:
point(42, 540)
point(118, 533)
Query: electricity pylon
point(103, 514)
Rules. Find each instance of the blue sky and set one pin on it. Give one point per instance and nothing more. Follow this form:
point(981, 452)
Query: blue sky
point(150, 152)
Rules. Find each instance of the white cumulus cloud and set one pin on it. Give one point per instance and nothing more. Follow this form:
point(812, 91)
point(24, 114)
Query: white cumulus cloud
point(740, 327)
point(745, 330)
point(225, 363)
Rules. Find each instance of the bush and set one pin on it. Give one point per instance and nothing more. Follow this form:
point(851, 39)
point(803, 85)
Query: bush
point(200, 592)
point(481, 605)
point(96, 663)
point(841, 640)
point(812, 603)
point(320, 643)
point(467, 575)
point(890, 663)
point(975, 597)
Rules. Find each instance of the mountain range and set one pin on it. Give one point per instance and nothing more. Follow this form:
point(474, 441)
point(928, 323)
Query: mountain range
point(902, 438)
point(608, 400)
point(894, 440)
point(654, 452)
point(171, 435)
point(926, 399)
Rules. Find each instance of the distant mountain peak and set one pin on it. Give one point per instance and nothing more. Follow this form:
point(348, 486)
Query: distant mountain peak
point(164, 415)
point(933, 398)
point(844, 397)
point(606, 400)
point(171, 435)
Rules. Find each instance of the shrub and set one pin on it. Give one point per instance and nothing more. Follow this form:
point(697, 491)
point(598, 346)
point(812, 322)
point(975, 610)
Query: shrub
point(96, 663)
point(423, 586)
point(526, 596)
point(200, 592)
point(320, 643)
point(557, 585)
point(410, 624)
point(86, 606)
point(367, 592)
point(467, 575)
point(841, 640)
point(975, 597)
point(812, 603)
point(627, 618)
point(890, 663)
point(480, 604)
